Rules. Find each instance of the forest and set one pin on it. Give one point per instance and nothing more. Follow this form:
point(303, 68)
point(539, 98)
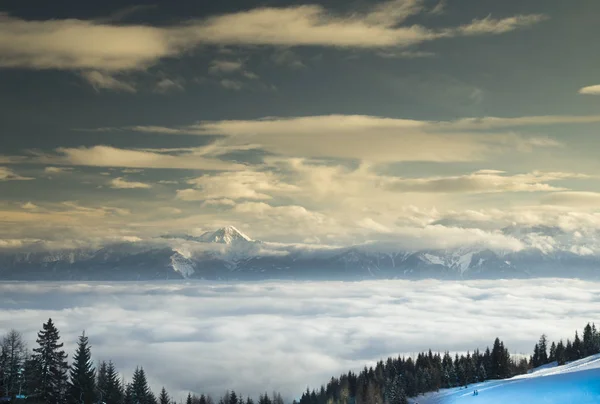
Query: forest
point(44, 374)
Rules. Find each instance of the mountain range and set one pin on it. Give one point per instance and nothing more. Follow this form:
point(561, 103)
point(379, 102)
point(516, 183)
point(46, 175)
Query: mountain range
point(229, 254)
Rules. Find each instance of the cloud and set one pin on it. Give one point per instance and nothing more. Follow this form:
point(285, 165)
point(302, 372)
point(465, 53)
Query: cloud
point(225, 66)
point(231, 84)
point(374, 138)
point(29, 206)
point(236, 185)
point(288, 58)
point(572, 198)
point(167, 85)
point(108, 156)
point(218, 202)
point(279, 218)
point(481, 181)
point(591, 90)
point(439, 8)
point(67, 44)
point(120, 183)
point(57, 170)
point(323, 328)
point(490, 25)
point(6, 174)
point(104, 81)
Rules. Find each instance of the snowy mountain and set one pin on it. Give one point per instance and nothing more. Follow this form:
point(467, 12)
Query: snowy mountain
point(226, 235)
point(576, 382)
point(227, 253)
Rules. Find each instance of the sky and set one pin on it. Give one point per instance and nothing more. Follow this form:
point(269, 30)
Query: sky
point(257, 337)
point(329, 122)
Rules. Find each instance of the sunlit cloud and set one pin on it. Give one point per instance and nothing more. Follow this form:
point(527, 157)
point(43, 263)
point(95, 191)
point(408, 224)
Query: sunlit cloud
point(389, 139)
point(108, 156)
point(121, 183)
point(105, 81)
point(65, 44)
point(590, 90)
point(6, 174)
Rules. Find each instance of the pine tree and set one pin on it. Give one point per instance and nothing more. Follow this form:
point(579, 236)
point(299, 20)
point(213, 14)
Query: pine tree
point(569, 356)
point(543, 350)
point(12, 362)
point(233, 398)
point(189, 399)
point(552, 355)
point(128, 395)
point(481, 374)
point(577, 347)
point(588, 341)
point(51, 365)
point(164, 397)
point(535, 358)
point(560, 353)
point(139, 387)
point(496, 360)
point(82, 383)
point(202, 399)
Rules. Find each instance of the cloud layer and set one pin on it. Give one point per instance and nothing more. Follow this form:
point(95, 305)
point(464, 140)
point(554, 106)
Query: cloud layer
point(207, 337)
point(66, 44)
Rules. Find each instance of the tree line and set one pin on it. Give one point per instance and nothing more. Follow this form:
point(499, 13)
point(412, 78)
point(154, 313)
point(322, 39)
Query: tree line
point(45, 376)
point(394, 380)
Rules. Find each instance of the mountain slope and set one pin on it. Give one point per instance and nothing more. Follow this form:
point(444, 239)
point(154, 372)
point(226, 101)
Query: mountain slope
point(577, 382)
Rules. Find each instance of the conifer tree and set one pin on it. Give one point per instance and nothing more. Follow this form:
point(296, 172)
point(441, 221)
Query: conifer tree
point(51, 365)
point(128, 394)
point(543, 350)
point(588, 341)
point(12, 362)
point(481, 374)
point(164, 397)
point(577, 347)
point(82, 375)
point(202, 399)
point(189, 399)
point(139, 387)
point(535, 358)
point(560, 353)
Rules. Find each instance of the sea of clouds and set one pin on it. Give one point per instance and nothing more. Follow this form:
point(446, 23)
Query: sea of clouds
point(206, 337)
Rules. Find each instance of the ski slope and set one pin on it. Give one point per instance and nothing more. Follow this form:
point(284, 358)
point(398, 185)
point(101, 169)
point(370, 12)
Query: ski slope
point(576, 382)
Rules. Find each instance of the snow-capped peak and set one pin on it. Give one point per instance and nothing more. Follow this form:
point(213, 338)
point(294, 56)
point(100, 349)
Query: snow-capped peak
point(225, 235)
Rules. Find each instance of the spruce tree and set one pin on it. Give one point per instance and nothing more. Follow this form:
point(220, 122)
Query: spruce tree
point(588, 341)
point(552, 355)
point(543, 350)
point(560, 353)
point(481, 374)
point(82, 383)
point(569, 356)
point(577, 347)
point(12, 362)
point(164, 397)
point(51, 365)
point(233, 398)
point(188, 400)
point(128, 395)
point(140, 391)
point(535, 359)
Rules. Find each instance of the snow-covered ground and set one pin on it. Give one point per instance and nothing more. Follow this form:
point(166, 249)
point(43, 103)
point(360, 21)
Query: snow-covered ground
point(576, 382)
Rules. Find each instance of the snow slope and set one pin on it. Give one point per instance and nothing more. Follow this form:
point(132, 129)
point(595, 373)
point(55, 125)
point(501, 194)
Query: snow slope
point(576, 382)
